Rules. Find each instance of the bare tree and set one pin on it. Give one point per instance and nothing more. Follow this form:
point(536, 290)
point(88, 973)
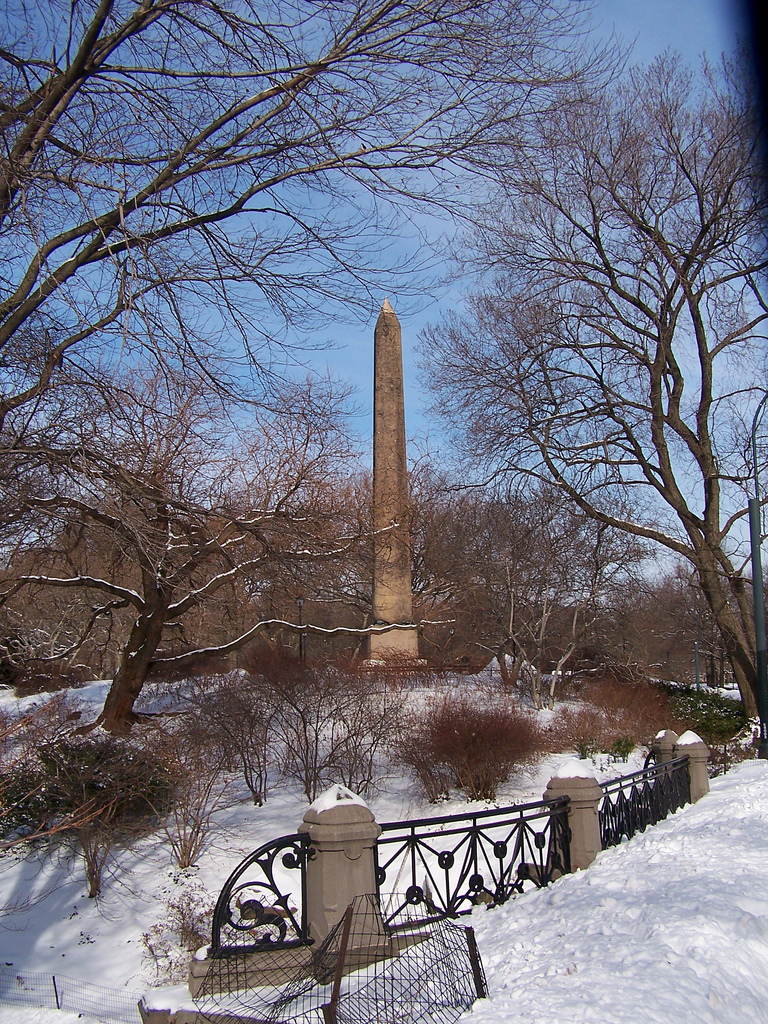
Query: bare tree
point(180, 179)
point(462, 540)
point(186, 502)
point(520, 576)
point(567, 567)
point(619, 350)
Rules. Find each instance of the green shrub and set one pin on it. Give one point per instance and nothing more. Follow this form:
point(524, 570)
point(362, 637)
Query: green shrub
point(715, 718)
point(109, 780)
point(585, 748)
point(621, 748)
point(96, 790)
point(24, 808)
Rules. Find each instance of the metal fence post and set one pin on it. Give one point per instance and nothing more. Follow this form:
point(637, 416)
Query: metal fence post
point(478, 974)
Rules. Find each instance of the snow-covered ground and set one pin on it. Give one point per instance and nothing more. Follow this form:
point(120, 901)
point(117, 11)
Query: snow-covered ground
point(672, 927)
point(669, 928)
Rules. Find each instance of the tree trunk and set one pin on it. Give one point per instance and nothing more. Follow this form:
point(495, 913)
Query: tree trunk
point(118, 715)
point(552, 687)
point(536, 686)
point(508, 679)
point(738, 637)
point(501, 658)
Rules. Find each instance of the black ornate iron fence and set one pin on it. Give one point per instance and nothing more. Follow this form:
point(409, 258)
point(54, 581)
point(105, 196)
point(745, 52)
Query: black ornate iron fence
point(443, 865)
point(633, 802)
point(447, 865)
point(263, 902)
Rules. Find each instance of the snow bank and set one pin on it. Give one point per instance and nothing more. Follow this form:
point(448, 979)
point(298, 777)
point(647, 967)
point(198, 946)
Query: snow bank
point(670, 927)
point(575, 769)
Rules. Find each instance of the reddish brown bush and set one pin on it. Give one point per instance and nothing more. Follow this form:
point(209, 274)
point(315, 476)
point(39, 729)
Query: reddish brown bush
point(199, 665)
point(611, 710)
point(30, 680)
point(470, 743)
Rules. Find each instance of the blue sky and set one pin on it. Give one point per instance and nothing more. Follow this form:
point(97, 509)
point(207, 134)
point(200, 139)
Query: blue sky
point(692, 27)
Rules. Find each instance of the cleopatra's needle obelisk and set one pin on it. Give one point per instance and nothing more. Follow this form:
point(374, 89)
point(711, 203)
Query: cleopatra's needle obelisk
point(392, 599)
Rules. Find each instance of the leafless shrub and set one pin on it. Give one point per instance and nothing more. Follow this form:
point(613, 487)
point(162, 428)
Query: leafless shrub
point(31, 679)
point(366, 721)
point(195, 764)
point(200, 666)
point(41, 723)
point(610, 710)
point(330, 725)
point(472, 743)
point(95, 840)
point(183, 928)
point(239, 713)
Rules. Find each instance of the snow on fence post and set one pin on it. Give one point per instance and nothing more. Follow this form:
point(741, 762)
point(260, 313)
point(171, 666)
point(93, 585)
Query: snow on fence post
point(150, 1015)
point(698, 755)
point(663, 746)
point(575, 780)
point(343, 833)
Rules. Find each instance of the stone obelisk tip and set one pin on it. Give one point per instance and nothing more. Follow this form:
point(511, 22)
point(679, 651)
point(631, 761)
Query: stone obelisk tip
point(386, 307)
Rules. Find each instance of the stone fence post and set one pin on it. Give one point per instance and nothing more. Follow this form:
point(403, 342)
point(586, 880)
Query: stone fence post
point(576, 781)
point(342, 863)
point(663, 746)
point(698, 752)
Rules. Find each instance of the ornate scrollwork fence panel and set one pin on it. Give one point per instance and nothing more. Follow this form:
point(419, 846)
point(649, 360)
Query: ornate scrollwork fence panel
point(263, 902)
point(450, 864)
point(633, 802)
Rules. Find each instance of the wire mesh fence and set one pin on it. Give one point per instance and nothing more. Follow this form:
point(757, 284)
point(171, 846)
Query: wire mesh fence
point(365, 970)
point(58, 992)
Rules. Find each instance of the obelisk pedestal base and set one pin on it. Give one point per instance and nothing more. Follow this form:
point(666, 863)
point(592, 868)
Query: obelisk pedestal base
point(397, 644)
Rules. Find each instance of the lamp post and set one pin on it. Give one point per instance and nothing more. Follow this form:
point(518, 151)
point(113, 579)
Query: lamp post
point(302, 651)
point(758, 593)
